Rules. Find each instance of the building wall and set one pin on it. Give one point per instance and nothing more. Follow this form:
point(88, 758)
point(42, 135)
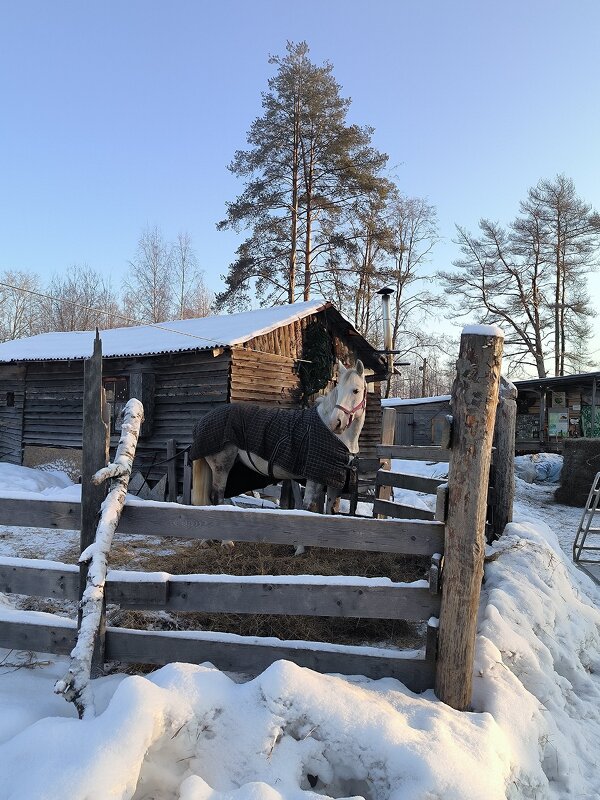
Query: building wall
point(420, 423)
point(12, 395)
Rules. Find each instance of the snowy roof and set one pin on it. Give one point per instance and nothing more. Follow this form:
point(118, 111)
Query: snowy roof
point(413, 401)
point(165, 337)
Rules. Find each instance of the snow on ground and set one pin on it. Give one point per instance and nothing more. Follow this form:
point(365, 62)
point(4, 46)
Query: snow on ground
point(191, 732)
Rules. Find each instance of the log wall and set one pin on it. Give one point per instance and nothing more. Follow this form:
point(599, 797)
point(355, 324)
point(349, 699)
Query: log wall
point(12, 390)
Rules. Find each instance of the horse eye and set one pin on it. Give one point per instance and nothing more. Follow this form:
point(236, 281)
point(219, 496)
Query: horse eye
point(355, 391)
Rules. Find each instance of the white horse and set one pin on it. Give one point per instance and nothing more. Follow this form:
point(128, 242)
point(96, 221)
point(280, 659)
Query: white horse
point(341, 412)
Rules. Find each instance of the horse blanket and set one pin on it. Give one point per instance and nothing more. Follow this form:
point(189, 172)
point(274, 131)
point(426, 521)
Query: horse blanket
point(296, 440)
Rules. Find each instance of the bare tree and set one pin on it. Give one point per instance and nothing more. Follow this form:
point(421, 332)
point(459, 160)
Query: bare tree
point(19, 304)
point(148, 287)
point(193, 297)
point(414, 232)
point(569, 244)
point(79, 300)
point(428, 365)
point(531, 276)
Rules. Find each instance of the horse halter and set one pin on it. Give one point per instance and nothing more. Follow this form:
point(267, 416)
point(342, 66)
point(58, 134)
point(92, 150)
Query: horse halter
point(350, 413)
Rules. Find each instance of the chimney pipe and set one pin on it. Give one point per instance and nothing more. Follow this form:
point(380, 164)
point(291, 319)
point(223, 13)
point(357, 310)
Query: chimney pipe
point(387, 326)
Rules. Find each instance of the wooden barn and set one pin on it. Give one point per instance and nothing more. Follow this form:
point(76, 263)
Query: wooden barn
point(180, 370)
point(550, 410)
point(420, 420)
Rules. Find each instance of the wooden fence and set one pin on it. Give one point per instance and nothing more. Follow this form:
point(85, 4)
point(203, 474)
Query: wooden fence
point(446, 662)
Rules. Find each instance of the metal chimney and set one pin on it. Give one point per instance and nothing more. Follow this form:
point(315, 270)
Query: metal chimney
point(387, 326)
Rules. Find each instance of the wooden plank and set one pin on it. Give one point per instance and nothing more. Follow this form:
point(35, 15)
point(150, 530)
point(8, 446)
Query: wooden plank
point(441, 503)
point(413, 453)
point(243, 595)
point(389, 508)
point(248, 525)
point(38, 636)
point(60, 581)
point(416, 483)
point(253, 655)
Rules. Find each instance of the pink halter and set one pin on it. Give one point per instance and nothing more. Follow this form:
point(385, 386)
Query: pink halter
point(352, 411)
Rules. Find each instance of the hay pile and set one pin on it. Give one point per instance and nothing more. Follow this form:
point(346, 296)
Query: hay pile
point(581, 462)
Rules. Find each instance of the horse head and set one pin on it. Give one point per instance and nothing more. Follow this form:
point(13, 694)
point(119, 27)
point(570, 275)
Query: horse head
point(347, 402)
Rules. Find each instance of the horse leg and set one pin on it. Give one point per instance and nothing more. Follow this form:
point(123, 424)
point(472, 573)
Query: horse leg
point(333, 497)
point(220, 465)
point(314, 499)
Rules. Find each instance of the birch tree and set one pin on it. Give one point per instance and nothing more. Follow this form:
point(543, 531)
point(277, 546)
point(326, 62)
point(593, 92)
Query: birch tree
point(148, 286)
point(193, 299)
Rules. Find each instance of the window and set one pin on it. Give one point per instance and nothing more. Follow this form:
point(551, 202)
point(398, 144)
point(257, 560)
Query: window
point(117, 395)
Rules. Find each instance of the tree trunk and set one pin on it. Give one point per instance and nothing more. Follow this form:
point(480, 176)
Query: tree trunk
point(75, 686)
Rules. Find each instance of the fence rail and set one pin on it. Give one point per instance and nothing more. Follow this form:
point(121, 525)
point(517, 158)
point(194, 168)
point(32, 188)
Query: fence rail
point(227, 652)
point(255, 594)
point(243, 525)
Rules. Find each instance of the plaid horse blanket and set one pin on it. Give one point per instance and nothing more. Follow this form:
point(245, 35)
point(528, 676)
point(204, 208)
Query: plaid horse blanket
point(296, 440)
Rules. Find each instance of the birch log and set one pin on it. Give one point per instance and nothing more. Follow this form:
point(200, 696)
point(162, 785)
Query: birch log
point(75, 685)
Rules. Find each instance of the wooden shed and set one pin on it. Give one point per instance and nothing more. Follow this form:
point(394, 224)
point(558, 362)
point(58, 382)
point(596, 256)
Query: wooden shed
point(420, 420)
point(179, 370)
point(550, 410)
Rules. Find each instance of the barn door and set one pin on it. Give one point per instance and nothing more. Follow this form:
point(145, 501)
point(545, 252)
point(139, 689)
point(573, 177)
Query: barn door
point(405, 427)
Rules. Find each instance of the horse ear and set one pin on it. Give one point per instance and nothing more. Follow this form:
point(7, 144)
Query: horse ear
point(360, 368)
point(341, 368)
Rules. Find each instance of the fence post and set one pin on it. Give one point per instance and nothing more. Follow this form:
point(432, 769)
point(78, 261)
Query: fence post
point(388, 431)
point(474, 400)
point(95, 446)
point(504, 458)
point(172, 470)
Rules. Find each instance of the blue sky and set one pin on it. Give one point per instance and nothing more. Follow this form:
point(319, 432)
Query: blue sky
point(120, 115)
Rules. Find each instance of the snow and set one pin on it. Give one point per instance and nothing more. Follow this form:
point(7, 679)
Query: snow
point(484, 330)
point(191, 732)
point(392, 402)
point(165, 337)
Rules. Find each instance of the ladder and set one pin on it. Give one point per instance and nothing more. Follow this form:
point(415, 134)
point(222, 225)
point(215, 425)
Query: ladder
point(585, 526)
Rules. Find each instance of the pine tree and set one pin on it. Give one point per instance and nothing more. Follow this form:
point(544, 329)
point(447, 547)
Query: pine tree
point(305, 164)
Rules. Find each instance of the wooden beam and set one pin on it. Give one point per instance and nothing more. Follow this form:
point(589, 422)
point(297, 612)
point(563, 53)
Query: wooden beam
point(389, 508)
point(243, 595)
point(253, 655)
point(413, 453)
point(416, 483)
point(243, 525)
